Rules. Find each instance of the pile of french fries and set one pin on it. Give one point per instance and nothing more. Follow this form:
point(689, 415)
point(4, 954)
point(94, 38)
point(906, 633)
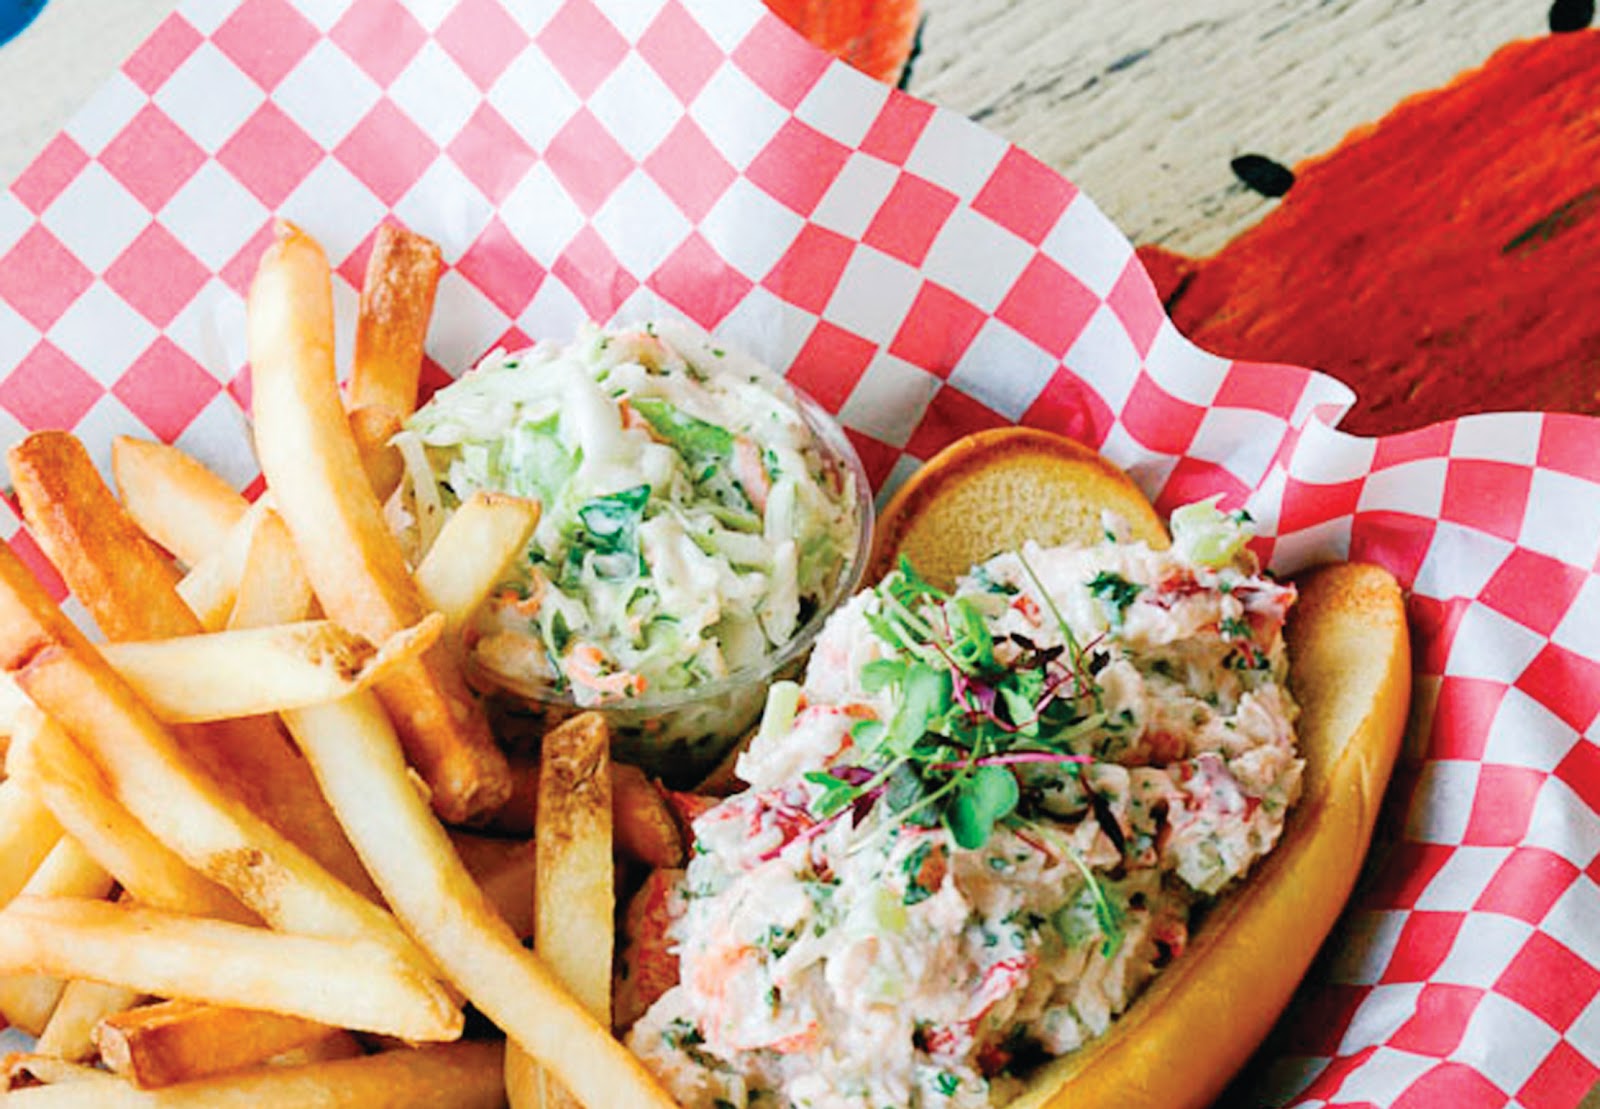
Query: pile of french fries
point(225, 870)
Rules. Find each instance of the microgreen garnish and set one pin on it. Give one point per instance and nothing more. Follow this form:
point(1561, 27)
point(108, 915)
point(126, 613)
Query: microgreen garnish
point(961, 720)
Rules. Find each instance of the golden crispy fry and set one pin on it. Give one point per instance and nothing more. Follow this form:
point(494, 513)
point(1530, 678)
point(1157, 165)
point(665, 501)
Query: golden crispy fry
point(346, 983)
point(470, 555)
point(574, 900)
point(83, 1005)
point(642, 822)
point(334, 1044)
point(27, 835)
point(461, 1076)
point(645, 829)
point(76, 520)
point(27, 1000)
point(357, 759)
point(503, 869)
point(372, 426)
point(53, 768)
point(173, 498)
point(180, 1041)
point(249, 671)
point(396, 306)
point(128, 586)
point(270, 577)
point(314, 471)
point(217, 836)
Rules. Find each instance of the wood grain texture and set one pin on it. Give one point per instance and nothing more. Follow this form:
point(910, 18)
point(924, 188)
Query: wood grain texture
point(1143, 103)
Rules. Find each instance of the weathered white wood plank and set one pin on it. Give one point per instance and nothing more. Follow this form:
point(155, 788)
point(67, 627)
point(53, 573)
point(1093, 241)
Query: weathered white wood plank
point(1143, 103)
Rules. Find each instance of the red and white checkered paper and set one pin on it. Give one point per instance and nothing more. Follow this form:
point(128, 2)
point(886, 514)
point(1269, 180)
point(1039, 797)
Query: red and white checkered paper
point(923, 279)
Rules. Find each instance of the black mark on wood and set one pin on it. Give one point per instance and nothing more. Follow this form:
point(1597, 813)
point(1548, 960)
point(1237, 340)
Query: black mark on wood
point(1571, 15)
point(1563, 217)
point(1262, 174)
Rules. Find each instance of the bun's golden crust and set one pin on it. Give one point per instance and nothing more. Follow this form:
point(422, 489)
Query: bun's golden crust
point(991, 491)
point(1189, 1033)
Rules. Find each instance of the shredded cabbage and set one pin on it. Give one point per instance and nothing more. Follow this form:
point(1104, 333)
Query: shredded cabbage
point(690, 519)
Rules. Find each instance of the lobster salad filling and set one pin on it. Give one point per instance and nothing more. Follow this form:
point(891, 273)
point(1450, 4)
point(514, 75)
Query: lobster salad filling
point(981, 826)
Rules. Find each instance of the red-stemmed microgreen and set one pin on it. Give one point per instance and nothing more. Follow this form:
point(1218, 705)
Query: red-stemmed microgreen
point(961, 722)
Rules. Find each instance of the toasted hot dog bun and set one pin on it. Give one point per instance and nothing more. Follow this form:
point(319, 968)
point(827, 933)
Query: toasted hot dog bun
point(1198, 1022)
point(992, 491)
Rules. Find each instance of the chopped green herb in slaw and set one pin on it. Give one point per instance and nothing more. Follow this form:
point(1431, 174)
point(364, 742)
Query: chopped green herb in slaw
point(691, 523)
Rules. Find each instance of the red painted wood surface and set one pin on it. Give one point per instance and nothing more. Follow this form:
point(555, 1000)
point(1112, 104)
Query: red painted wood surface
point(1445, 260)
point(875, 36)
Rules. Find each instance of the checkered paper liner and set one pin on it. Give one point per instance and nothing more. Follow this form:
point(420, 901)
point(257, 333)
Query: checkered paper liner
point(621, 159)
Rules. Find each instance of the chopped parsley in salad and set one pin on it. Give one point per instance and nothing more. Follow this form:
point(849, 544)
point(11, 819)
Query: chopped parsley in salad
point(691, 522)
point(981, 826)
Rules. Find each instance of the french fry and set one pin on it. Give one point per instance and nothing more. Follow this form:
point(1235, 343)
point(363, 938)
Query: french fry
point(28, 832)
point(270, 577)
point(396, 306)
point(471, 553)
point(503, 869)
point(355, 566)
point(49, 765)
point(346, 983)
point(574, 899)
point(462, 1076)
point(27, 1000)
point(645, 828)
point(174, 499)
point(358, 760)
point(127, 584)
point(643, 823)
point(249, 671)
point(334, 1044)
point(517, 816)
point(56, 484)
point(20, 1071)
point(372, 426)
point(217, 836)
point(211, 587)
point(180, 1041)
point(83, 1005)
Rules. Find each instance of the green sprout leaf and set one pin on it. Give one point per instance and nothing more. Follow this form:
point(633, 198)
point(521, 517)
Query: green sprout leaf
point(988, 795)
point(836, 793)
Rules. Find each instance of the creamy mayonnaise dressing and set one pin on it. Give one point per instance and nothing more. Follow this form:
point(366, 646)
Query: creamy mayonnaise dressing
point(847, 938)
point(691, 521)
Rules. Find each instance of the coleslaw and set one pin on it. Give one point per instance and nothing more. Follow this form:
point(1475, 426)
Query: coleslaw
point(691, 523)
